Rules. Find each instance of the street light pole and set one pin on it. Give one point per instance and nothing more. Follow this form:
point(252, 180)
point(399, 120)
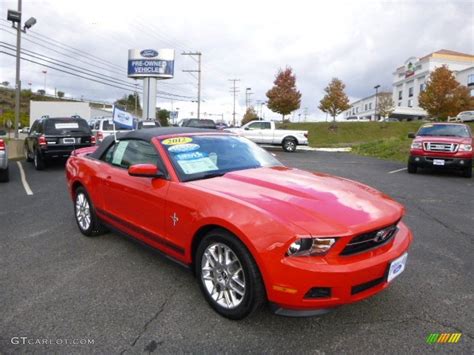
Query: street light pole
point(17, 75)
point(376, 87)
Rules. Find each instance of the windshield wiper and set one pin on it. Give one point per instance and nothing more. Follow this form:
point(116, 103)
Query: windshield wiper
point(211, 175)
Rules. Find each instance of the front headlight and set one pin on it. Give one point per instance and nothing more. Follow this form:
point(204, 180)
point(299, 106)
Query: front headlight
point(416, 145)
point(465, 148)
point(310, 246)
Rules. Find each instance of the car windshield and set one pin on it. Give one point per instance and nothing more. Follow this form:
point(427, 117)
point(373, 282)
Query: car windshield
point(444, 130)
point(207, 156)
point(67, 126)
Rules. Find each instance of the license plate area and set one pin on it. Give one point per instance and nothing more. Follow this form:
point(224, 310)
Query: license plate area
point(440, 162)
point(396, 267)
point(69, 140)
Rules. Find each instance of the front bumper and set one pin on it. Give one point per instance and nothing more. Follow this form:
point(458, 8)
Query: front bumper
point(349, 278)
point(449, 162)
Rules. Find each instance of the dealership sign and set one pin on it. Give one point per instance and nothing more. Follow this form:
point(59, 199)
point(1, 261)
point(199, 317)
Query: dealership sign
point(411, 65)
point(151, 63)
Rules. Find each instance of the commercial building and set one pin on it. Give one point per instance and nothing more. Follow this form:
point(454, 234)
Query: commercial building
point(409, 80)
point(364, 108)
point(65, 109)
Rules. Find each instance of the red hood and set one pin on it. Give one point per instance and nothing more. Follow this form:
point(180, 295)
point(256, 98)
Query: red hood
point(458, 140)
point(321, 204)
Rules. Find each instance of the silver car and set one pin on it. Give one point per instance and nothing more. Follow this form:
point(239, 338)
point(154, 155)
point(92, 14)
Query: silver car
point(4, 175)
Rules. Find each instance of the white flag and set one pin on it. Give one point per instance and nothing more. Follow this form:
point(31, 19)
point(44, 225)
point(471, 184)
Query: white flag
point(123, 118)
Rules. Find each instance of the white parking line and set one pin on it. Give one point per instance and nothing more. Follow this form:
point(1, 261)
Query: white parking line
point(396, 171)
point(23, 180)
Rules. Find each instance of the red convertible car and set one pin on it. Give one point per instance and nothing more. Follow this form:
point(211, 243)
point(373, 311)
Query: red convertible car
point(252, 230)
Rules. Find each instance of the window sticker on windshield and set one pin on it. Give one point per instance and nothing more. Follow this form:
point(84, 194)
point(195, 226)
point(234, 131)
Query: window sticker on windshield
point(183, 148)
point(66, 125)
point(177, 140)
point(195, 166)
point(119, 152)
point(188, 156)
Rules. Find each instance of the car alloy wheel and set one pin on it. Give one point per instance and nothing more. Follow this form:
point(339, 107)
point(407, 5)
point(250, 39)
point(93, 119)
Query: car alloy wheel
point(289, 145)
point(222, 275)
point(83, 211)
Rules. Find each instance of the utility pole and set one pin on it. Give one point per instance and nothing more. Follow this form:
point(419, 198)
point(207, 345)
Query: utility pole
point(198, 71)
point(136, 98)
point(234, 90)
point(305, 113)
point(15, 18)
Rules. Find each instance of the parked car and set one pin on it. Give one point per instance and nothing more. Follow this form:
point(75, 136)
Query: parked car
point(55, 138)
point(147, 124)
point(466, 116)
point(265, 132)
point(222, 125)
point(104, 127)
point(4, 172)
point(252, 230)
point(25, 130)
point(442, 145)
point(198, 123)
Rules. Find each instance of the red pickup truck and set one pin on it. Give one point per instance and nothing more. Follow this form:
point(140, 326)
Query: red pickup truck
point(442, 145)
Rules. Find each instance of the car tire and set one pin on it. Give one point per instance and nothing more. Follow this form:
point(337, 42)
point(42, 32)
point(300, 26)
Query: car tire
point(4, 175)
point(467, 172)
point(38, 161)
point(27, 154)
point(237, 282)
point(84, 213)
point(289, 145)
point(412, 168)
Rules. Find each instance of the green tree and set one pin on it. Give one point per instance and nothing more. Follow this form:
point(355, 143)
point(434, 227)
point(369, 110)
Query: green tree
point(385, 105)
point(60, 94)
point(250, 115)
point(41, 92)
point(444, 96)
point(335, 101)
point(5, 83)
point(127, 102)
point(283, 97)
point(163, 117)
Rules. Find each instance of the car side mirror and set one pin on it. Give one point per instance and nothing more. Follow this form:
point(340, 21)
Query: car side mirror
point(411, 135)
point(145, 170)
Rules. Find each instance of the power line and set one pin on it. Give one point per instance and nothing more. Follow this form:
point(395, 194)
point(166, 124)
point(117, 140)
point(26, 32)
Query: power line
point(83, 77)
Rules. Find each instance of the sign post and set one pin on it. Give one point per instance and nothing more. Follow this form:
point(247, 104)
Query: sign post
point(150, 65)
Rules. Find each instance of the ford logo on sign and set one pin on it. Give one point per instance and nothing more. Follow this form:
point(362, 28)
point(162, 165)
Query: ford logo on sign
point(148, 53)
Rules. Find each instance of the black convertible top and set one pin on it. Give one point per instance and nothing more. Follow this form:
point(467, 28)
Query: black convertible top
point(148, 135)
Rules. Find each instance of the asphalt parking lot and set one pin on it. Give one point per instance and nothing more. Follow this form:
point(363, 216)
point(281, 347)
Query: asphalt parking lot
point(57, 284)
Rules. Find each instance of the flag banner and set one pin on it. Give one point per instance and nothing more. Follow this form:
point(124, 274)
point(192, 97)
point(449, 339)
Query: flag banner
point(122, 118)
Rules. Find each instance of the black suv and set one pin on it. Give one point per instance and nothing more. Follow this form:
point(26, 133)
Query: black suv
point(56, 138)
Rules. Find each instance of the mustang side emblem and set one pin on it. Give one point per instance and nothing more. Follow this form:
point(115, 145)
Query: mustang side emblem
point(175, 219)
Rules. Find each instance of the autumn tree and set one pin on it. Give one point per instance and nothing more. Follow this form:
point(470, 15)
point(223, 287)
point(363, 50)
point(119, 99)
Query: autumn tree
point(284, 97)
point(250, 115)
point(444, 96)
point(335, 101)
point(385, 105)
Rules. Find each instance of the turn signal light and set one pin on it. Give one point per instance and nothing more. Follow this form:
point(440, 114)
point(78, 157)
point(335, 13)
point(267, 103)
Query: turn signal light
point(93, 140)
point(99, 136)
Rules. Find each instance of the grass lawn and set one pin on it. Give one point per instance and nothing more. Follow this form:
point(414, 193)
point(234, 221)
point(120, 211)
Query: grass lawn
point(387, 140)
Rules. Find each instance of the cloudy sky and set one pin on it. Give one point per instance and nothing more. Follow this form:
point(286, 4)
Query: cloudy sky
point(360, 42)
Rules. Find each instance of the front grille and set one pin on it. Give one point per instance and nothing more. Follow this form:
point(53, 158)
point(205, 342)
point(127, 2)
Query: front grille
point(366, 285)
point(440, 147)
point(370, 240)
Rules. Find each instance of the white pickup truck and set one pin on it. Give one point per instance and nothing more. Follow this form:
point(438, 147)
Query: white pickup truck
point(265, 132)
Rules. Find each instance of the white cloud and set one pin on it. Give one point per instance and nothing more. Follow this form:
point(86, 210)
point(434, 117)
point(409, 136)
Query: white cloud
point(361, 42)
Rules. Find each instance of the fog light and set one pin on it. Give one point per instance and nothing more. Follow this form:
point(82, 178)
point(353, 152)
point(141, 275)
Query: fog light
point(417, 159)
point(461, 162)
point(318, 292)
